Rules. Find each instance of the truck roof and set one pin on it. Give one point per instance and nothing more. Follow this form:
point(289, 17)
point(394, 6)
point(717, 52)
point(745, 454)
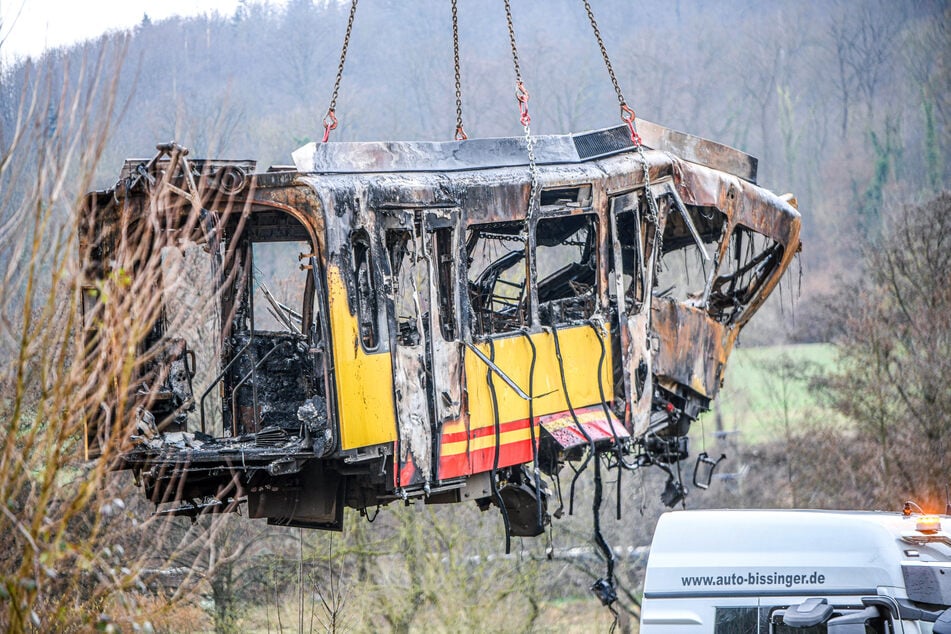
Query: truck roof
point(792, 552)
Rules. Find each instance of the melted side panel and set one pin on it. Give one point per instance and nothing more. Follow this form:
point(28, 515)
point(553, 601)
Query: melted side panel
point(694, 348)
point(364, 381)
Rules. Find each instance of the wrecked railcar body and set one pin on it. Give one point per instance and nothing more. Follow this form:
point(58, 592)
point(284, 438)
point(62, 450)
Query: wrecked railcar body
point(421, 320)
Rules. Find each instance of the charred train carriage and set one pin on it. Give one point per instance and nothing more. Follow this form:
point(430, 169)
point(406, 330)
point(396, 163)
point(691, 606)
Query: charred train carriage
point(425, 320)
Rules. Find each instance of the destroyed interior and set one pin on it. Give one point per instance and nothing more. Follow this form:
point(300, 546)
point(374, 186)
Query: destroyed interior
point(436, 321)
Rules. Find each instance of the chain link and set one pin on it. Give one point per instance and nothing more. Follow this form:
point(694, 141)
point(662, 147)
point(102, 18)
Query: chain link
point(460, 130)
point(508, 19)
point(604, 53)
point(330, 119)
point(522, 96)
point(532, 169)
point(653, 213)
point(627, 114)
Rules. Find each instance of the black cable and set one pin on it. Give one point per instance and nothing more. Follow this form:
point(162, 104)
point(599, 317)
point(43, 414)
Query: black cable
point(495, 459)
point(596, 508)
point(607, 412)
point(531, 427)
point(574, 417)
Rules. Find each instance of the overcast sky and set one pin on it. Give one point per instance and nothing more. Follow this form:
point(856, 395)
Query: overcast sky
point(27, 27)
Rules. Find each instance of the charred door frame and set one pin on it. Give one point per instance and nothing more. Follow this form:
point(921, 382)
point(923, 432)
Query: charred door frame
point(634, 332)
point(237, 280)
point(437, 359)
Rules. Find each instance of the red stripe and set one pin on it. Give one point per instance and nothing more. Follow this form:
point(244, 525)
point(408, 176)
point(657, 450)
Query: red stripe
point(479, 432)
point(509, 454)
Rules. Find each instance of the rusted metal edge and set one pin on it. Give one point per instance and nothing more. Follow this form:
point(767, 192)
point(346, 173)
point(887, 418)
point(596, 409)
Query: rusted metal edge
point(442, 156)
point(699, 150)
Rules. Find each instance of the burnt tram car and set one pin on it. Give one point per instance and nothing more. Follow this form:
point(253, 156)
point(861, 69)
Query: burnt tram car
point(457, 323)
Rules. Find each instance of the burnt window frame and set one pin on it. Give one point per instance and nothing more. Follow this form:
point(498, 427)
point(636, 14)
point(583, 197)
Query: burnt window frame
point(361, 243)
point(595, 256)
point(422, 305)
point(445, 282)
point(240, 232)
point(477, 329)
point(306, 295)
point(684, 244)
point(773, 252)
point(638, 301)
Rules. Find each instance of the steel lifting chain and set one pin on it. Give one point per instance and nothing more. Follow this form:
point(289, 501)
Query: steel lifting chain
point(522, 96)
point(628, 117)
point(460, 131)
point(627, 114)
point(330, 119)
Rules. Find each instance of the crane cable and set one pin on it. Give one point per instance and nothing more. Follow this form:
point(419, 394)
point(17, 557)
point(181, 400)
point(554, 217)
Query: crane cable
point(460, 131)
point(330, 119)
point(522, 97)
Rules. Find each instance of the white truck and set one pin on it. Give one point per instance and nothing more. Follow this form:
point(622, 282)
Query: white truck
point(783, 572)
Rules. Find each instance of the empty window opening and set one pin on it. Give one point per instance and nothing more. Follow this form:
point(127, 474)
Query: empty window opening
point(496, 274)
point(578, 196)
point(632, 236)
point(566, 263)
point(268, 373)
point(690, 248)
point(278, 285)
point(191, 312)
point(444, 258)
point(367, 304)
point(410, 286)
point(750, 261)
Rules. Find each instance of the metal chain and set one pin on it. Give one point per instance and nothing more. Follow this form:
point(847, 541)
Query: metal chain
point(460, 131)
point(604, 52)
point(508, 19)
point(330, 119)
point(653, 213)
point(651, 202)
point(522, 96)
point(533, 171)
point(627, 114)
point(628, 117)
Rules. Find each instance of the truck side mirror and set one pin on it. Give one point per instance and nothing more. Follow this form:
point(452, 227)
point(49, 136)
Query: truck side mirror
point(943, 624)
point(809, 613)
point(853, 623)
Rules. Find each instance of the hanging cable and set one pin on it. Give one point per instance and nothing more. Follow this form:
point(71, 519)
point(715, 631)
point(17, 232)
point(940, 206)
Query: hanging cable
point(330, 119)
point(592, 450)
point(597, 327)
point(531, 426)
point(494, 474)
point(522, 97)
point(460, 130)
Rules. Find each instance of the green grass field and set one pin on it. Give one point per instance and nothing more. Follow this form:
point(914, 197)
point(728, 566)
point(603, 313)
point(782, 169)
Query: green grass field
point(767, 386)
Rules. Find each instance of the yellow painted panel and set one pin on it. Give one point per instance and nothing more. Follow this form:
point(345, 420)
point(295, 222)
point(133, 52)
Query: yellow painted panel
point(364, 381)
point(580, 351)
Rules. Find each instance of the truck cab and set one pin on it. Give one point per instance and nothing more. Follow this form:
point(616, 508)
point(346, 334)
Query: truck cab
point(793, 571)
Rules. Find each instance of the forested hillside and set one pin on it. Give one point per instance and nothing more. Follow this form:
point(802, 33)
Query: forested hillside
point(846, 105)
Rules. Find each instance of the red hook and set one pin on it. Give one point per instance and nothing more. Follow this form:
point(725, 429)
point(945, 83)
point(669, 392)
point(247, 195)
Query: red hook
point(461, 134)
point(330, 123)
point(627, 116)
point(522, 96)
